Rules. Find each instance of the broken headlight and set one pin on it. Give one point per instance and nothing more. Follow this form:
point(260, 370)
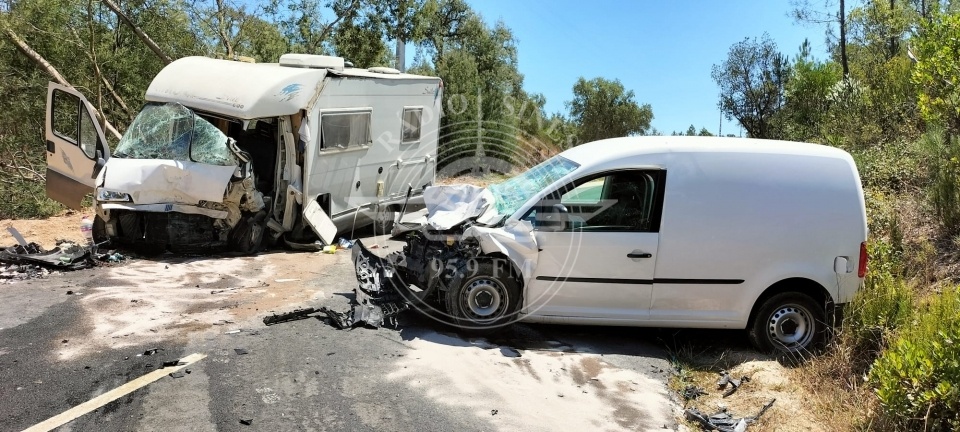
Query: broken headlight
point(104, 195)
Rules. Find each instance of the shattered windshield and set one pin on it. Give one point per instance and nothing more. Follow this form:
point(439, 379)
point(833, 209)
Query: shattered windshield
point(511, 194)
point(173, 131)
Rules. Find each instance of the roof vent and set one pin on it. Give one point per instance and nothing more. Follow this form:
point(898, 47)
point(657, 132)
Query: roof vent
point(384, 70)
point(311, 61)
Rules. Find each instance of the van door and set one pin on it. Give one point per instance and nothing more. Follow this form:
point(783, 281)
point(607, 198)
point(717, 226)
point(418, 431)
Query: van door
point(76, 148)
point(598, 241)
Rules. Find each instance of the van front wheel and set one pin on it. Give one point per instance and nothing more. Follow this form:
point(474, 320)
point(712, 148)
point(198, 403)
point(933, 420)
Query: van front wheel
point(789, 323)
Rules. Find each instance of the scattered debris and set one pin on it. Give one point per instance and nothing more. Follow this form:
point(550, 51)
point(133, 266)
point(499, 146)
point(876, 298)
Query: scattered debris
point(376, 302)
point(692, 391)
point(170, 363)
point(240, 351)
point(246, 421)
point(734, 383)
point(232, 332)
point(286, 280)
point(177, 375)
point(509, 352)
point(297, 314)
point(494, 412)
point(66, 256)
point(152, 351)
point(723, 421)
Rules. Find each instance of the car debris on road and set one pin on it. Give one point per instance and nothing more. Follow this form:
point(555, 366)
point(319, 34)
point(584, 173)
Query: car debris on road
point(723, 421)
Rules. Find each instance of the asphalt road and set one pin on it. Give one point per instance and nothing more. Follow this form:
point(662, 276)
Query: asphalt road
point(58, 350)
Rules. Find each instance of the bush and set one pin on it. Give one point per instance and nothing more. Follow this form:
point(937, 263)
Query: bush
point(23, 200)
point(881, 306)
point(918, 378)
point(943, 188)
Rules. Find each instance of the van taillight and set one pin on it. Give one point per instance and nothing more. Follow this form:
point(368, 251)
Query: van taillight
point(864, 258)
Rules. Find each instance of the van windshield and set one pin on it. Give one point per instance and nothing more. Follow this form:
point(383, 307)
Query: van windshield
point(173, 131)
point(511, 194)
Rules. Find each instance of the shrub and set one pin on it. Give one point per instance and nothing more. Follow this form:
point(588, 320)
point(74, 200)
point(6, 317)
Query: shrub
point(943, 188)
point(917, 379)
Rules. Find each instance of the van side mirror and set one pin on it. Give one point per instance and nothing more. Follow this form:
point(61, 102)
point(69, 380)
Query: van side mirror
point(99, 165)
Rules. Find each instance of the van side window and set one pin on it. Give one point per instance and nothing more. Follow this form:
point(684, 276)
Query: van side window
point(74, 124)
point(344, 130)
point(627, 201)
point(412, 118)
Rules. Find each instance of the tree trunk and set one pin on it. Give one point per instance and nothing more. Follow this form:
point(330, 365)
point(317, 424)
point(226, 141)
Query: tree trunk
point(143, 36)
point(53, 72)
point(843, 41)
point(894, 41)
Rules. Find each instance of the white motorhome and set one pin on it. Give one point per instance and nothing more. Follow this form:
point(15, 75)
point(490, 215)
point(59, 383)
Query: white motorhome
point(698, 232)
point(224, 152)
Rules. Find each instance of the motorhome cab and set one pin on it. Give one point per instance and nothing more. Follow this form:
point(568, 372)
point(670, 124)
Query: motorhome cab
point(224, 152)
point(699, 232)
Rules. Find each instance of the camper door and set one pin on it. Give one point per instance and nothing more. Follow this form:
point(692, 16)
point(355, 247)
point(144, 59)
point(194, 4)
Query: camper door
point(76, 148)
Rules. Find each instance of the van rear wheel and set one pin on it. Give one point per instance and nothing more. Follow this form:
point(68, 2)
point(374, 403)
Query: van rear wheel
point(789, 323)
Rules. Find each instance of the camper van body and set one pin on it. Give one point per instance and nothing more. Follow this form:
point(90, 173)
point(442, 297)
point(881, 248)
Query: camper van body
point(225, 153)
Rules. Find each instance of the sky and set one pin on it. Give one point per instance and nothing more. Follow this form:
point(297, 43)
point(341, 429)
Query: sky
point(663, 50)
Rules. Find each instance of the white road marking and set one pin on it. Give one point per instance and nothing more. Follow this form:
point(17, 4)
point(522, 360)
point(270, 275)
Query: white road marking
point(110, 396)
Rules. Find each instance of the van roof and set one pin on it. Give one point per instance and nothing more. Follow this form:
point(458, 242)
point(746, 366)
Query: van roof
point(246, 90)
point(609, 150)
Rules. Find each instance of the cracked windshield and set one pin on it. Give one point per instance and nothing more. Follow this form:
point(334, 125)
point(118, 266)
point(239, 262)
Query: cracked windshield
point(511, 194)
point(173, 131)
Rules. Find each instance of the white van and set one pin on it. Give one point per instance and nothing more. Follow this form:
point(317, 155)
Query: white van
point(224, 151)
point(660, 231)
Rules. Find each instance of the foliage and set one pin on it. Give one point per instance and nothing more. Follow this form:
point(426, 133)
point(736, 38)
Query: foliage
point(937, 70)
point(752, 81)
point(603, 108)
point(806, 94)
point(943, 187)
point(918, 378)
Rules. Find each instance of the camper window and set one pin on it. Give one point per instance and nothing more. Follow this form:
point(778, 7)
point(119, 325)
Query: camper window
point(411, 124)
point(343, 130)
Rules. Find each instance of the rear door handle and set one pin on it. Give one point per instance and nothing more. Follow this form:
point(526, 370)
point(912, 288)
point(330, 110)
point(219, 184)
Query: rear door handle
point(639, 255)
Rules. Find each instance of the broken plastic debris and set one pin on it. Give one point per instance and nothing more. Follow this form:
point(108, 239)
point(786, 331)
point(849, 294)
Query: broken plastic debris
point(723, 421)
point(734, 383)
point(509, 352)
point(170, 363)
point(344, 243)
point(692, 392)
point(286, 280)
point(151, 351)
point(246, 421)
point(177, 375)
point(240, 351)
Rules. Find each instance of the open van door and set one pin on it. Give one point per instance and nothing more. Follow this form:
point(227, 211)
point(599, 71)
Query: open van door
point(76, 148)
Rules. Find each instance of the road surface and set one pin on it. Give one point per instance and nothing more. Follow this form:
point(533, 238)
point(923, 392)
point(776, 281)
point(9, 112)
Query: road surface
point(59, 350)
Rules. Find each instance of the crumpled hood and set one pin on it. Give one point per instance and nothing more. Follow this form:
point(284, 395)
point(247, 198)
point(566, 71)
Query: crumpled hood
point(157, 181)
point(449, 206)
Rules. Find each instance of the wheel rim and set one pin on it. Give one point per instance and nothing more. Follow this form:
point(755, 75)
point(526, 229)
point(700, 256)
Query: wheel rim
point(791, 327)
point(484, 300)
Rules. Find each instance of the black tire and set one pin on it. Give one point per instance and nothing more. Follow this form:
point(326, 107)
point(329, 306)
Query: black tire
point(486, 299)
point(248, 235)
point(789, 324)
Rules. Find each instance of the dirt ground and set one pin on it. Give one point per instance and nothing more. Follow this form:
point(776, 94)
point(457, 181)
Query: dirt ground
point(768, 379)
point(44, 232)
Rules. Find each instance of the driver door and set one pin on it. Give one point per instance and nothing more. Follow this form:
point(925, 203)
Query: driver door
point(598, 241)
point(76, 148)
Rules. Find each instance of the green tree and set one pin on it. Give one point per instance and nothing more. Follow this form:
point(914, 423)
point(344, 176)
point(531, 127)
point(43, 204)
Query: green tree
point(752, 81)
point(602, 108)
point(807, 95)
point(937, 50)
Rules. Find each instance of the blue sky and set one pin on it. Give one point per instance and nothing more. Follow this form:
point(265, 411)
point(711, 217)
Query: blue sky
point(662, 50)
